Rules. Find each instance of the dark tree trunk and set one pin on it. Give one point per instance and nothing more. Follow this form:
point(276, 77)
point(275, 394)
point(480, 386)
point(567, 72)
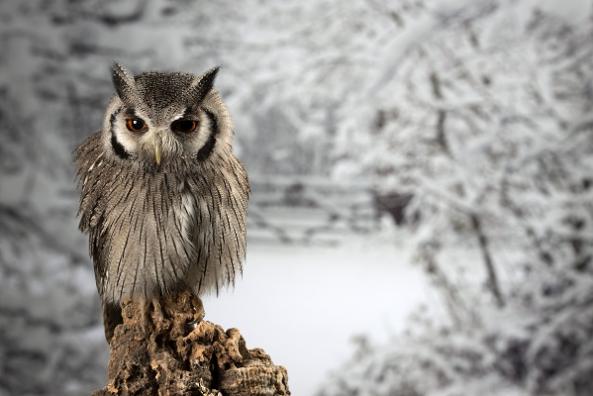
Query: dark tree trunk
point(493, 284)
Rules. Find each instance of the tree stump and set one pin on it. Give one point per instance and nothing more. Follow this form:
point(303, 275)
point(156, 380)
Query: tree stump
point(164, 347)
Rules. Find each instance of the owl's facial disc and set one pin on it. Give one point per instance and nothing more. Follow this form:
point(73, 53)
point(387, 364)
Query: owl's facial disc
point(157, 138)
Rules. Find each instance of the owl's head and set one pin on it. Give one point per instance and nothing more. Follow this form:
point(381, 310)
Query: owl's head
point(157, 117)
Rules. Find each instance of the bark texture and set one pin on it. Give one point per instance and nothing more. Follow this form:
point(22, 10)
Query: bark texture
point(165, 347)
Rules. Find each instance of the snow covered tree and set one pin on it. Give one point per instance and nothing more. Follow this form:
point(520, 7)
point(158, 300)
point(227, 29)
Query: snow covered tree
point(484, 117)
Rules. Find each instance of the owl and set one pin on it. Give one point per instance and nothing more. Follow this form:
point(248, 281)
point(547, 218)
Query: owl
point(163, 197)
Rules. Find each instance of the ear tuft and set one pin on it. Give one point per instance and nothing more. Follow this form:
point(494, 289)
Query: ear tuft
point(204, 85)
point(123, 81)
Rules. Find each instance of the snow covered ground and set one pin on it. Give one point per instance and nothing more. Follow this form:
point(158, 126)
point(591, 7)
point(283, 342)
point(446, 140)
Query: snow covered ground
point(304, 304)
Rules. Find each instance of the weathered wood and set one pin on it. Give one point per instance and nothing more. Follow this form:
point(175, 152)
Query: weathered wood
point(165, 347)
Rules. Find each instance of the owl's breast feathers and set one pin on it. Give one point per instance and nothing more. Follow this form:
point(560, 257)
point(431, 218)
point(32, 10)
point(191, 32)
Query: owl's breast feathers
point(152, 232)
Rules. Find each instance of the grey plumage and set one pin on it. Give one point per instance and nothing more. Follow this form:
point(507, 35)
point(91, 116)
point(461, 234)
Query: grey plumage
point(164, 205)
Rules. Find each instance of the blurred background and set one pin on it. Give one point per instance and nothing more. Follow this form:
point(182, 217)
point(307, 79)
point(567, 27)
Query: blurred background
point(422, 172)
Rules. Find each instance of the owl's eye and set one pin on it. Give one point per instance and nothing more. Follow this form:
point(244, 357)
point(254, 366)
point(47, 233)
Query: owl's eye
point(136, 125)
point(184, 126)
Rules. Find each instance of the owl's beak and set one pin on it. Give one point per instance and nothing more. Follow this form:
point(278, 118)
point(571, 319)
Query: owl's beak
point(154, 148)
point(157, 151)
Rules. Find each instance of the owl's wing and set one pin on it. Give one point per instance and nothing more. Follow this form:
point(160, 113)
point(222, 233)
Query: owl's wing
point(90, 172)
point(220, 194)
point(86, 158)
